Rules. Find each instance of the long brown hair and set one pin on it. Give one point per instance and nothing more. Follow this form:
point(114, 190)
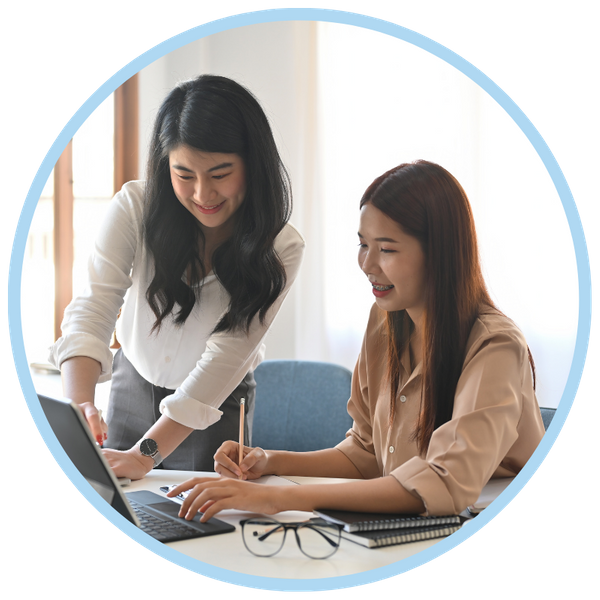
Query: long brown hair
point(429, 204)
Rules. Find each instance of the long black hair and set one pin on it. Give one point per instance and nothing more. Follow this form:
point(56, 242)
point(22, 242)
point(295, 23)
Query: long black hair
point(215, 114)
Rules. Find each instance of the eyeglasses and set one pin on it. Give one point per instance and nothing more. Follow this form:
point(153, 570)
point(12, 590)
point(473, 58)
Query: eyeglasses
point(316, 538)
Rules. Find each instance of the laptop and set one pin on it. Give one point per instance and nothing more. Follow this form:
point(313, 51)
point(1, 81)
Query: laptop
point(154, 514)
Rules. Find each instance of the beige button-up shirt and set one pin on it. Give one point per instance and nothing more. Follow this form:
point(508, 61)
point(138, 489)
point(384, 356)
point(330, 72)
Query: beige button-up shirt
point(495, 427)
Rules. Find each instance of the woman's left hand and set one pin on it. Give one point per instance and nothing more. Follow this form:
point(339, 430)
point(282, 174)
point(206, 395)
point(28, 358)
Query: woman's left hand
point(128, 463)
point(210, 495)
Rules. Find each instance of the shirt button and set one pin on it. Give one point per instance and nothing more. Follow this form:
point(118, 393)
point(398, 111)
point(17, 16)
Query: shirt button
point(391, 449)
point(167, 359)
point(402, 398)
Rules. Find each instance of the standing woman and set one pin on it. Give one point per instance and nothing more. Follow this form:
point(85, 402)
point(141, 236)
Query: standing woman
point(443, 392)
point(198, 259)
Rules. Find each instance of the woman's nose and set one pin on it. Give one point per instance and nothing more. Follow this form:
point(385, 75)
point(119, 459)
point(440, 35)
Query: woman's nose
point(368, 263)
point(203, 192)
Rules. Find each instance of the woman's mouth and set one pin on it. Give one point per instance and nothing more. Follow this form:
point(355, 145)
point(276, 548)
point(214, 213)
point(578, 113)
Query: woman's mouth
point(209, 210)
point(381, 290)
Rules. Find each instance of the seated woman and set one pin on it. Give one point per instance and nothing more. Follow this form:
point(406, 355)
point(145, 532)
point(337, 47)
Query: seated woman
point(443, 392)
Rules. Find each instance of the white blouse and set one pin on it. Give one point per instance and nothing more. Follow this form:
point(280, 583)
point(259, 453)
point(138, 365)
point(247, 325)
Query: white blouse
point(203, 369)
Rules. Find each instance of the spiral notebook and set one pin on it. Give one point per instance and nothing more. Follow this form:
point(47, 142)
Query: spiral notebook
point(360, 521)
point(376, 530)
point(391, 537)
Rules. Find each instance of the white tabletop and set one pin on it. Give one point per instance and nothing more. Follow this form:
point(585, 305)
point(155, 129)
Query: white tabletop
point(227, 551)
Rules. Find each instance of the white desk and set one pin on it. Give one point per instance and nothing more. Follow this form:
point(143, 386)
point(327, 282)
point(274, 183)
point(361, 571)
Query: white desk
point(227, 551)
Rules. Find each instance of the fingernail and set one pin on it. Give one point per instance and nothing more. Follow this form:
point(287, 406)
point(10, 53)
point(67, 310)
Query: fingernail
point(99, 439)
point(105, 436)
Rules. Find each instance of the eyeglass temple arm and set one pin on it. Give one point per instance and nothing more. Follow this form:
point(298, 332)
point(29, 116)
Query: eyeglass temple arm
point(322, 534)
point(266, 534)
point(295, 526)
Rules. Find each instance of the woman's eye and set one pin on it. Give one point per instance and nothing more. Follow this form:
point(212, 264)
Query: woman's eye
point(220, 176)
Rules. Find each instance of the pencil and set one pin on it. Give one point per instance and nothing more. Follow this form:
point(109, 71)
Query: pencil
point(241, 453)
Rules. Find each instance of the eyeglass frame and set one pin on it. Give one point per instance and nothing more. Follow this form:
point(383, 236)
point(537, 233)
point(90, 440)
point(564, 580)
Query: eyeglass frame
point(311, 523)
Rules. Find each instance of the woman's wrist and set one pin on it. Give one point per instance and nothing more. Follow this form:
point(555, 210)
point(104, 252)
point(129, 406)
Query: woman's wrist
point(274, 462)
point(146, 462)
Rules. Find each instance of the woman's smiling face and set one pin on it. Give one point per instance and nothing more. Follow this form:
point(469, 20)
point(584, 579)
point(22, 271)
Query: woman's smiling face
point(394, 263)
point(210, 185)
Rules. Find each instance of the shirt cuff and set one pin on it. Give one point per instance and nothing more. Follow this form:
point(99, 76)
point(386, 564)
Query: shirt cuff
point(418, 478)
point(188, 411)
point(82, 344)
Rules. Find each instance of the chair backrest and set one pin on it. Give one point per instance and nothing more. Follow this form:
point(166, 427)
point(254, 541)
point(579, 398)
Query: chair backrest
point(300, 405)
point(547, 416)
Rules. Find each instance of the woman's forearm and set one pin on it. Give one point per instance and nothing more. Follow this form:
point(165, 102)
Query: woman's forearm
point(320, 463)
point(381, 495)
point(210, 496)
point(79, 376)
point(168, 434)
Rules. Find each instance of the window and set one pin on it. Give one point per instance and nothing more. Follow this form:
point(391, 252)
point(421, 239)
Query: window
point(102, 156)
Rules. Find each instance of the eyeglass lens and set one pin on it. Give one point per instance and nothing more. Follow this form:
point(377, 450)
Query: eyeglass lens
point(265, 537)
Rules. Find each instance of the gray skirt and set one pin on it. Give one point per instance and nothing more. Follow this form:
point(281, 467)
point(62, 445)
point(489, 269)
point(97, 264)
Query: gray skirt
point(133, 409)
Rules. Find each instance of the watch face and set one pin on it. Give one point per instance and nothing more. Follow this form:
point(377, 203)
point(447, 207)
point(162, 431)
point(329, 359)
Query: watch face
point(148, 447)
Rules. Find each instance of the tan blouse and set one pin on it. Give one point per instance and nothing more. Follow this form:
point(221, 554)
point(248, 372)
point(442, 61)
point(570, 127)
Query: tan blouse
point(495, 427)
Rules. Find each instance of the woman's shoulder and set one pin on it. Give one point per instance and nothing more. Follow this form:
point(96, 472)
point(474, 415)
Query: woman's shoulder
point(130, 197)
point(123, 215)
point(289, 236)
point(289, 242)
point(132, 191)
point(492, 324)
point(128, 202)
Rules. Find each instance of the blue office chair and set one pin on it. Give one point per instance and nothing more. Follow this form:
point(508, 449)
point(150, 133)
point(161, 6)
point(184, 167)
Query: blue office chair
point(300, 405)
point(547, 416)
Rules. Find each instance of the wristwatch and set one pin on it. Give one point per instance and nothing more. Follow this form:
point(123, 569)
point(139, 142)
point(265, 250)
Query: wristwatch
point(149, 447)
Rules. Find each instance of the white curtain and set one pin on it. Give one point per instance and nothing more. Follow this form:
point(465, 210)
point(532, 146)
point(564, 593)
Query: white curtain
point(382, 101)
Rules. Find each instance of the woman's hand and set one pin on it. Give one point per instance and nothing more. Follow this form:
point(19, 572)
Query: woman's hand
point(210, 496)
point(254, 463)
point(128, 463)
point(96, 423)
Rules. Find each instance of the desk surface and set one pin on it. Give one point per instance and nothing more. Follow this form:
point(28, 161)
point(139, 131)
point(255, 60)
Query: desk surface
point(227, 550)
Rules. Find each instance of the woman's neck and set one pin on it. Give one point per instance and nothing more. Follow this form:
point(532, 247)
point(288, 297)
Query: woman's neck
point(416, 340)
point(213, 238)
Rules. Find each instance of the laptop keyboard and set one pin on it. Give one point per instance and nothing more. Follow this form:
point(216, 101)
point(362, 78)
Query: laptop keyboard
point(163, 530)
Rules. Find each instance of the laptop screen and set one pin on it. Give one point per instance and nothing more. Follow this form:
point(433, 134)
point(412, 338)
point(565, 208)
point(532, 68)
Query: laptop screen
point(70, 428)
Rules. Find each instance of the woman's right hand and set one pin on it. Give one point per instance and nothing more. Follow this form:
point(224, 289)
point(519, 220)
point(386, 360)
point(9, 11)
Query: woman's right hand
point(254, 462)
point(96, 423)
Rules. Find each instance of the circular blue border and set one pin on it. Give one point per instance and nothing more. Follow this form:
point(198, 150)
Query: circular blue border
point(387, 28)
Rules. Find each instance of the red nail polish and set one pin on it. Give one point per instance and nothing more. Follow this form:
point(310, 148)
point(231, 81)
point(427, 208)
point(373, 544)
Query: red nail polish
point(99, 439)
